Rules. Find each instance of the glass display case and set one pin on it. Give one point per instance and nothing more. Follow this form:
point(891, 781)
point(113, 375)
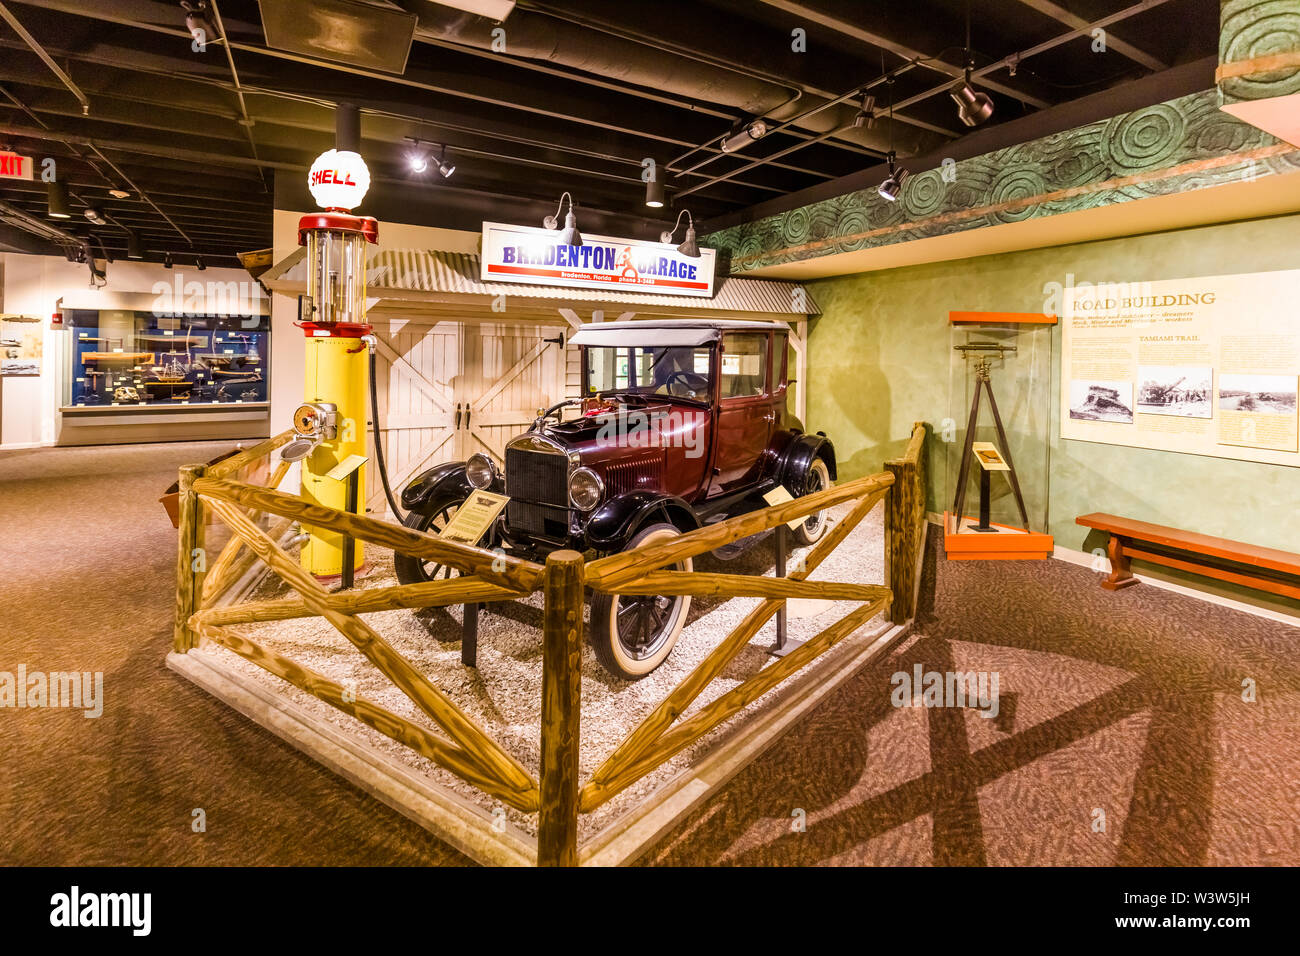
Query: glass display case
point(998, 437)
point(122, 358)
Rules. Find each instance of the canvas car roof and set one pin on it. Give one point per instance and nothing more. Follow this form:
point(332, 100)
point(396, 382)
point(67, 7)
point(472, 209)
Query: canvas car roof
point(666, 332)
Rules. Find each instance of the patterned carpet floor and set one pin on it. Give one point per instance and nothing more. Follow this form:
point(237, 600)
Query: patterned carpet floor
point(90, 558)
point(1121, 734)
point(1122, 737)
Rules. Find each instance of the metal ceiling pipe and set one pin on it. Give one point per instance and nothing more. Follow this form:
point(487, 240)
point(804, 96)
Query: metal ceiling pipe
point(28, 223)
point(540, 37)
point(46, 58)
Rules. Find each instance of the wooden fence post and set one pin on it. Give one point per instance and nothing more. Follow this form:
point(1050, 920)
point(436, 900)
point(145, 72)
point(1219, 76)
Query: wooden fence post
point(189, 538)
point(905, 524)
point(557, 829)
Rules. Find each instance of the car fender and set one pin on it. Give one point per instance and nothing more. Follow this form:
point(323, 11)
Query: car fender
point(798, 457)
point(616, 521)
point(421, 491)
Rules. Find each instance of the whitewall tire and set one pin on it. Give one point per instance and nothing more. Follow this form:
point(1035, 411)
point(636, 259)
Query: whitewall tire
point(632, 635)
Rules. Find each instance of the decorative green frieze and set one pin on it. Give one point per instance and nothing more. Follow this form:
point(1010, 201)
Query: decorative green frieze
point(1259, 49)
point(1184, 144)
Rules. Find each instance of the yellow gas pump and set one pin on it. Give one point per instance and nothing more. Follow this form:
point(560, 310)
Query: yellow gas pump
point(332, 420)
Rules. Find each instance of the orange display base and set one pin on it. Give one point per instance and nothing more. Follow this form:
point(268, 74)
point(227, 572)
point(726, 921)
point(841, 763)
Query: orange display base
point(1004, 543)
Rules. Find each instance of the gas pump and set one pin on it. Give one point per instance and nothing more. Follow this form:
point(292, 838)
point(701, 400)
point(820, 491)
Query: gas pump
point(331, 423)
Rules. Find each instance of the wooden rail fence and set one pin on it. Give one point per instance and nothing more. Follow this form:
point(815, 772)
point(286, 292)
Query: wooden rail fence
point(258, 516)
point(905, 524)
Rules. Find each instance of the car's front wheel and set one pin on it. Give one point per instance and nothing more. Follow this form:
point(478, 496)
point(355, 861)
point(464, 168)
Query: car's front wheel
point(413, 570)
point(634, 634)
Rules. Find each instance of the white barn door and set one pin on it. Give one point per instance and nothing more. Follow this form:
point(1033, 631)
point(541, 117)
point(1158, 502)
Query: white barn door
point(508, 372)
point(415, 367)
point(450, 389)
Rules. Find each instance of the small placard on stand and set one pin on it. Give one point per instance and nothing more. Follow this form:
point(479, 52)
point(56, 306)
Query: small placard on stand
point(474, 517)
point(468, 525)
point(349, 470)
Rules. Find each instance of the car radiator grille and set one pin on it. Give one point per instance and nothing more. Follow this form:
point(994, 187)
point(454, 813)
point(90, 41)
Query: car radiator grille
point(538, 486)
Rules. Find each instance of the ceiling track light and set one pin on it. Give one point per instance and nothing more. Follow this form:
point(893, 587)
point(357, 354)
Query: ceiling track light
point(199, 263)
point(654, 189)
point(739, 139)
point(893, 184)
point(445, 169)
point(973, 107)
point(866, 118)
point(167, 261)
point(569, 235)
point(57, 199)
point(419, 158)
point(689, 246)
point(198, 22)
point(95, 215)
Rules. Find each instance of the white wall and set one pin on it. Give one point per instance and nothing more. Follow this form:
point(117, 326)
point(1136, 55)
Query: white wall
point(32, 285)
point(287, 352)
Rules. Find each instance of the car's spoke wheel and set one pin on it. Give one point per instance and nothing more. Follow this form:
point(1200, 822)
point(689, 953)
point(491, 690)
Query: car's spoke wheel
point(634, 634)
point(814, 526)
point(413, 570)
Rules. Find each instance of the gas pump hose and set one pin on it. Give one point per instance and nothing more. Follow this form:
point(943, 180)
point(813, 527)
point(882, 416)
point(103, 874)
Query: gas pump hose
point(379, 439)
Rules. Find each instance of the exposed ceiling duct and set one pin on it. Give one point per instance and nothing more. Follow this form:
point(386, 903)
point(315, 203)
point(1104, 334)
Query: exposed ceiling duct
point(549, 39)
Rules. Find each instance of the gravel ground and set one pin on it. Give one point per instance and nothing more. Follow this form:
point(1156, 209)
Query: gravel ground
point(504, 694)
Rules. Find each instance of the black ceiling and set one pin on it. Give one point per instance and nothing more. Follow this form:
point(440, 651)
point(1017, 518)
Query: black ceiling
point(583, 91)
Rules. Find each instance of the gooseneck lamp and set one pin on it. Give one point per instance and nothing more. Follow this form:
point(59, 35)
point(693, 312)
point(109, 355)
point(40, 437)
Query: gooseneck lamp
point(689, 246)
point(569, 235)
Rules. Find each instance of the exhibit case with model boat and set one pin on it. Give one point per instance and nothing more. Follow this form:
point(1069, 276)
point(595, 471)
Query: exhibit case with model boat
point(132, 374)
point(997, 437)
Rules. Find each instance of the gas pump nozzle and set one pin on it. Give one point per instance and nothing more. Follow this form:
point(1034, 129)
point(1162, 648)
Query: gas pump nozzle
point(315, 422)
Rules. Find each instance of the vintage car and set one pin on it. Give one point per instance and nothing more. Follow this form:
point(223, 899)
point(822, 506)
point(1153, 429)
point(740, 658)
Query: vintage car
point(683, 423)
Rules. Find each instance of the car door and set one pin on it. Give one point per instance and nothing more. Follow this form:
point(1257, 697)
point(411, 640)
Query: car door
point(745, 412)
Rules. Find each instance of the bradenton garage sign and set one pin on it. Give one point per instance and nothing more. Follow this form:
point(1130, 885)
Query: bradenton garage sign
point(537, 257)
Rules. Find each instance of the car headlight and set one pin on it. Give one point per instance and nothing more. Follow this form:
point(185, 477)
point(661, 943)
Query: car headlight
point(480, 470)
point(585, 489)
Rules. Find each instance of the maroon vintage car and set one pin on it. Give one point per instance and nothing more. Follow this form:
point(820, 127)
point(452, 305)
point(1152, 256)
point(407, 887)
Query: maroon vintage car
point(682, 423)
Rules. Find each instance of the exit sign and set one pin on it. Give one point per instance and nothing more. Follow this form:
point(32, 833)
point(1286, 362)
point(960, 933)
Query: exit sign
point(13, 166)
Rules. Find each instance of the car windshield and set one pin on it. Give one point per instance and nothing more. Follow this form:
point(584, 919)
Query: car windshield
point(677, 371)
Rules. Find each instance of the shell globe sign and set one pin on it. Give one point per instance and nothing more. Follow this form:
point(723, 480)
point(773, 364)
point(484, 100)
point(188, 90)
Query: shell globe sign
point(338, 179)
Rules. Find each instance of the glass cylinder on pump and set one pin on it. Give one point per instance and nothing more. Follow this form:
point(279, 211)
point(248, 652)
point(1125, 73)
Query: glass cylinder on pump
point(336, 273)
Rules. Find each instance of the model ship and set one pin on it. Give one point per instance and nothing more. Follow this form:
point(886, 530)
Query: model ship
point(169, 381)
point(198, 341)
point(131, 358)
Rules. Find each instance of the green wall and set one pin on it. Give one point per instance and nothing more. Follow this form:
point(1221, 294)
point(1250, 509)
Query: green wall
point(879, 359)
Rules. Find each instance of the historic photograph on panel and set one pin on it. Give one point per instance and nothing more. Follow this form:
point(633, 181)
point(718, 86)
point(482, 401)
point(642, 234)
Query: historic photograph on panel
point(1101, 401)
point(1263, 394)
point(1182, 390)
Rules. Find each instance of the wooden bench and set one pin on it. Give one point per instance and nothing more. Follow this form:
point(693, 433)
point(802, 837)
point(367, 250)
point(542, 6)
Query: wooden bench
point(1268, 569)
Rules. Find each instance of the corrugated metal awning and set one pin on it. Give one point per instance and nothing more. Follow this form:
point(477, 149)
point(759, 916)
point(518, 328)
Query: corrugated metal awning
point(426, 273)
